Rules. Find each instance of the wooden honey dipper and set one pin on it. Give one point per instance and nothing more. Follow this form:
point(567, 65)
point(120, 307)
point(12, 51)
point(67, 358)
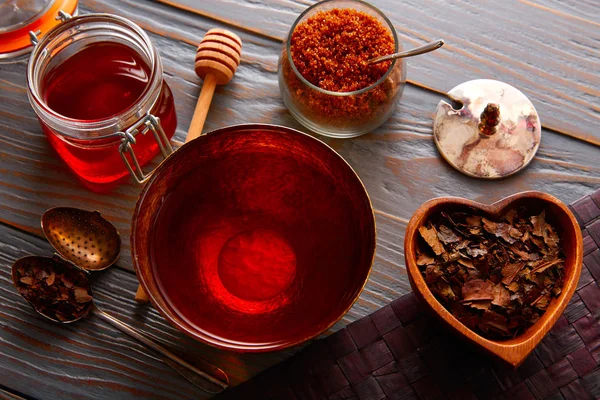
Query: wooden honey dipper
point(217, 59)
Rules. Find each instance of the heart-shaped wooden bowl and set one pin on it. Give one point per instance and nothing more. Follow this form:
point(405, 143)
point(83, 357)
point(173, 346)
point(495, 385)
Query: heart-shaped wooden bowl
point(513, 351)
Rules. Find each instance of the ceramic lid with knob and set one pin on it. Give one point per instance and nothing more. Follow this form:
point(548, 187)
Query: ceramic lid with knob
point(19, 17)
point(496, 132)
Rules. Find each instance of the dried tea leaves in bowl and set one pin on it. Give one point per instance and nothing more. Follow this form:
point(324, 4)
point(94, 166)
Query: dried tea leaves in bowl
point(55, 289)
point(496, 277)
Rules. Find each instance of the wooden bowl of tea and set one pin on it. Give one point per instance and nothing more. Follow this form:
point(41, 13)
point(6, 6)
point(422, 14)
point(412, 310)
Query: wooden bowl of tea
point(498, 275)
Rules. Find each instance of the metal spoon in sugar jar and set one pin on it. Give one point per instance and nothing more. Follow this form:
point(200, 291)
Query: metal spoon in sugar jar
point(426, 48)
point(59, 289)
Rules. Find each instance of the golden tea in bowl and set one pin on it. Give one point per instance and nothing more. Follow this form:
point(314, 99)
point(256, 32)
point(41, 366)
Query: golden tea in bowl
point(254, 238)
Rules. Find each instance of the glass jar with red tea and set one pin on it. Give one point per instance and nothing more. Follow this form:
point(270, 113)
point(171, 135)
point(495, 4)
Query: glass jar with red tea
point(324, 76)
point(96, 84)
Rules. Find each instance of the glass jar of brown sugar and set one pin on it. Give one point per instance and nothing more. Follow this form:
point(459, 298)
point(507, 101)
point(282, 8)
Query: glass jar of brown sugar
point(324, 75)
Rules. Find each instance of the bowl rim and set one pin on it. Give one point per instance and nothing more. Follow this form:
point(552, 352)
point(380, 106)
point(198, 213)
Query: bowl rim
point(157, 298)
point(515, 350)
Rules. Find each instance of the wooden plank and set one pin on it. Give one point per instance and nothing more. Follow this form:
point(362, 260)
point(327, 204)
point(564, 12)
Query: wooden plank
point(509, 41)
point(398, 163)
point(91, 359)
point(5, 395)
point(580, 9)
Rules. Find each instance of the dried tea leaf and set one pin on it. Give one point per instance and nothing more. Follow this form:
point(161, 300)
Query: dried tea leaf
point(478, 289)
point(444, 290)
point(474, 220)
point(513, 287)
point(39, 274)
point(541, 303)
point(430, 236)
point(466, 262)
point(480, 305)
point(510, 216)
point(55, 289)
point(493, 321)
point(446, 235)
point(66, 281)
point(524, 255)
point(476, 252)
point(62, 317)
point(539, 223)
point(433, 273)
point(28, 280)
point(510, 271)
point(501, 296)
point(515, 233)
point(462, 245)
point(550, 237)
point(452, 268)
point(496, 277)
point(538, 242)
point(474, 274)
point(545, 264)
point(425, 259)
point(499, 229)
point(82, 295)
point(540, 280)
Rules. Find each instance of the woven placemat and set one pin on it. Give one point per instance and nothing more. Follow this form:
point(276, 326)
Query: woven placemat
point(399, 352)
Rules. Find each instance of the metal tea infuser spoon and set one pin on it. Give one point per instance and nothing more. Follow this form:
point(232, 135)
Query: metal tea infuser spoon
point(85, 241)
point(426, 48)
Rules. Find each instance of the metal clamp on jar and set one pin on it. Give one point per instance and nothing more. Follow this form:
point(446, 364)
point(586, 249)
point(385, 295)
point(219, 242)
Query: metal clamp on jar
point(96, 84)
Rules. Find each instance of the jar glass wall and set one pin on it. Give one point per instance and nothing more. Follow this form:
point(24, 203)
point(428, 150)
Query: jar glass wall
point(89, 80)
point(340, 114)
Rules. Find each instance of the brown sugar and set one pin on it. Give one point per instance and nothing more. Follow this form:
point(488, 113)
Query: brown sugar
point(331, 49)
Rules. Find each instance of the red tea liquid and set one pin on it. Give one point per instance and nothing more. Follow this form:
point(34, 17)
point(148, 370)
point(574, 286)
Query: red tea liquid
point(97, 82)
point(254, 246)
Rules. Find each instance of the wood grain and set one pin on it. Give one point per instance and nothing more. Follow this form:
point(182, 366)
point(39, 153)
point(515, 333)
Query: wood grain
point(579, 9)
point(5, 395)
point(509, 41)
point(398, 164)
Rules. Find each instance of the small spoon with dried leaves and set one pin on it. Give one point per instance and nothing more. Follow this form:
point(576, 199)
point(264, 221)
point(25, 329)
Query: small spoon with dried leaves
point(62, 293)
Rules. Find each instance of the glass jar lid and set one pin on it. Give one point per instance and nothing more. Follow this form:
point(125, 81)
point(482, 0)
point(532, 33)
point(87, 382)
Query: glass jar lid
point(19, 17)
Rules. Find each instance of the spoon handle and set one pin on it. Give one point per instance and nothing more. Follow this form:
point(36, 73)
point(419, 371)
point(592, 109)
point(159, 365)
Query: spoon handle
point(199, 378)
point(426, 48)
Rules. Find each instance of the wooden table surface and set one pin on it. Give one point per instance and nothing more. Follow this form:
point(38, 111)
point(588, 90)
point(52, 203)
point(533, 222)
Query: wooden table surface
point(549, 49)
